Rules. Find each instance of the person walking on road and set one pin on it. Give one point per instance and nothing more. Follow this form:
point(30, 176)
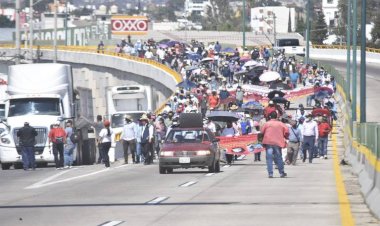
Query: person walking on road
point(274, 133)
point(98, 125)
point(294, 141)
point(324, 129)
point(128, 137)
point(57, 136)
point(147, 133)
point(69, 146)
point(105, 142)
point(27, 139)
point(310, 137)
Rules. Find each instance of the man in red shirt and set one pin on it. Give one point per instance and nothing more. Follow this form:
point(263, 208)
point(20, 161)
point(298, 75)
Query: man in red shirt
point(324, 129)
point(274, 133)
point(57, 136)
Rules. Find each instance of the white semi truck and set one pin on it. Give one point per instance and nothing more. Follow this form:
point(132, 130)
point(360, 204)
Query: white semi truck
point(39, 94)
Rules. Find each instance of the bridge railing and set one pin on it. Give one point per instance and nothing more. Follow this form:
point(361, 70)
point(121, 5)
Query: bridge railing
point(371, 50)
point(362, 144)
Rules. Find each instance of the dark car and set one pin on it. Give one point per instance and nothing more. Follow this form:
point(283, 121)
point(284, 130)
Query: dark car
point(189, 148)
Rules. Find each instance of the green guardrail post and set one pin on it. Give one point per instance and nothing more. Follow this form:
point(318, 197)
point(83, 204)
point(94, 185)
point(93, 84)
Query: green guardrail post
point(354, 59)
point(363, 68)
point(348, 39)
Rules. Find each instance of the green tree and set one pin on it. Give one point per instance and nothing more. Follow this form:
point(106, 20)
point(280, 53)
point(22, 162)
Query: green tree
point(319, 29)
point(376, 30)
point(5, 22)
point(301, 26)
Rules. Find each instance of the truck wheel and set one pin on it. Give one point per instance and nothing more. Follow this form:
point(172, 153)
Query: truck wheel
point(162, 170)
point(5, 166)
point(17, 165)
point(217, 167)
point(169, 170)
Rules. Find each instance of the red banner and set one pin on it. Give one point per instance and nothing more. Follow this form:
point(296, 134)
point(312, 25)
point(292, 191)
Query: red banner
point(241, 145)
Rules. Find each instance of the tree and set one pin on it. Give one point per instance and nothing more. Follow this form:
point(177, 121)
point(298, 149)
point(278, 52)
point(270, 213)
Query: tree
point(301, 26)
point(319, 29)
point(5, 22)
point(376, 30)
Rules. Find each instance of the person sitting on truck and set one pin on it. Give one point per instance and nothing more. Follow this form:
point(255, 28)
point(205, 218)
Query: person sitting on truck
point(57, 136)
point(27, 138)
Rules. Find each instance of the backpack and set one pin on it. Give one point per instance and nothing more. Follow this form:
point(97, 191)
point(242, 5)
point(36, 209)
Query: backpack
point(245, 127)
point(74, 138)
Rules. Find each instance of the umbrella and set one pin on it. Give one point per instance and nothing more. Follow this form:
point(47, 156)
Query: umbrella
point(162, 45)
point(325, 89)
point(228, 50)
point(222, 116)
point(279, 100)
point(163, 41)
point(207, 59)
point(269, 76)
point(187, 84)
point(273, 93)
point(252, 105)
point(245, 59)
point(172, 43)
point(251, 63)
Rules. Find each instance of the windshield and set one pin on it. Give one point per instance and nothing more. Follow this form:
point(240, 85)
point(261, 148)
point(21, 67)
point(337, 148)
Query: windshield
point(187, 136)
point(118, 120)
point(34, 106)
point(288, 42)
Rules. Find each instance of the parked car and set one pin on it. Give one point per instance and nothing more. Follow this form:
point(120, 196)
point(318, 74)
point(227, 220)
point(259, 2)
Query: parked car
point(194, 147)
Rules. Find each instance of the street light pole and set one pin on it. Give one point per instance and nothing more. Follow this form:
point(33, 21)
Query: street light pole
point(31, 29)
point(18, 43)
point(307, 32)
point(363, 106)
point(244, 24)
point(348, 40)
point(354, 65)
point(66, 18)
point(55, 31)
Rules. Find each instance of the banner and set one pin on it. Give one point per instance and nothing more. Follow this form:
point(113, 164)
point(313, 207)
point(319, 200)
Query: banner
point(241, 145)
point(129, 25)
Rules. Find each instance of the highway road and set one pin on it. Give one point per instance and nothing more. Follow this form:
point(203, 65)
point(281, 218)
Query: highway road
point(241, 194)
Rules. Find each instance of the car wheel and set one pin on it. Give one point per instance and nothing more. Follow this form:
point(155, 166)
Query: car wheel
point(5, 166)
point(162, 170)
point(217, 166)
point(169, 170)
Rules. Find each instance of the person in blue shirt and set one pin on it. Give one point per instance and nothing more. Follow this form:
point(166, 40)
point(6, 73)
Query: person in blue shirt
point(294, 76)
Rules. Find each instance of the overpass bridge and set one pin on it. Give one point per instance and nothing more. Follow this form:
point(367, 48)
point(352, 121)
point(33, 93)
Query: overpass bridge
point(323, 193)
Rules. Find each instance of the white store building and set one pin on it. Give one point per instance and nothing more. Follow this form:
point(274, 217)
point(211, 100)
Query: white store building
point(330, 9)
point(196, 6)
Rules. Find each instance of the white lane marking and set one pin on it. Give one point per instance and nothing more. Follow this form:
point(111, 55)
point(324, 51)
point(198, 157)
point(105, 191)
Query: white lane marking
point(117, 167)
point(209, 174)
point(241, 157)
point(45, 183)
point(111, 223)
point(157, 200)
point(188, 184)
point(226, 166)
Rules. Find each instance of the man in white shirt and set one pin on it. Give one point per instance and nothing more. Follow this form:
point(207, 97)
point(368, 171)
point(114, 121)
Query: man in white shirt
point(310, 137)
point(148, 54)
point(128, 138)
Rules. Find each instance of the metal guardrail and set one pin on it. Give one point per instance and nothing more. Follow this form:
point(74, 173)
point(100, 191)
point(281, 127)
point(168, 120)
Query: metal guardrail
point(371, 50)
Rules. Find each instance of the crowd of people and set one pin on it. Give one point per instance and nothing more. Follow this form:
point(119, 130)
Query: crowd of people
point(217, 78)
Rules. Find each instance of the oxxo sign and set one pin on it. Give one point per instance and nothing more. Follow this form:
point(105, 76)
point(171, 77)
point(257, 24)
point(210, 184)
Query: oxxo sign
point(123, 25)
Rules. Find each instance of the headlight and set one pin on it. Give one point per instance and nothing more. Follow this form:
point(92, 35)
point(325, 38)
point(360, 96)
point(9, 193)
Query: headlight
point(166, 153)
point(203, 152)
point(5, 140)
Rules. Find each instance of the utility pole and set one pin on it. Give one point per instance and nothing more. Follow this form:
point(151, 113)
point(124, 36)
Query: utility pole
point(18, 43)
point(308, 32)
point(274, 30)
point(55, 31)
point(66, 18)
point(354, 66)
point(348, 42)
point(244, 24)
point(363, 89)
point(31, 29)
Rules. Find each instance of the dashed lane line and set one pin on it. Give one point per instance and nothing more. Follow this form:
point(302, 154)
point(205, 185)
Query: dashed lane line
point(188, 184)
point(157, 200)
point(111, 223)
point(209, 174)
